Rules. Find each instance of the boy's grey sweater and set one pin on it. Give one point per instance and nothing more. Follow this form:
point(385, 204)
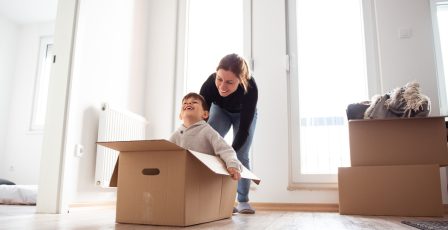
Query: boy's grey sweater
point(201, 137)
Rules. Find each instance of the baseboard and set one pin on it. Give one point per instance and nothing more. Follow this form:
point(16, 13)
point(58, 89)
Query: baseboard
point(305, 207)
point(92, 204)
point(257, 205)
point(296, 207)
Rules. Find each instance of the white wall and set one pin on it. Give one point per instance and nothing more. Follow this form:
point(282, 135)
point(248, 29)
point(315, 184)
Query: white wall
point(8, 44)
point(23, 148)
point(161, 64)
point(108, 67)
point(404, 60)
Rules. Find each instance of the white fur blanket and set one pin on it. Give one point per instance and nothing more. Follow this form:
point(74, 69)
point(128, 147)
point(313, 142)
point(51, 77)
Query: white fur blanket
point(405, 101)
point(18, 194)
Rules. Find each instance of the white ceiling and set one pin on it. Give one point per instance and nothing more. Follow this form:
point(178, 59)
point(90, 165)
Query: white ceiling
point(28, 11)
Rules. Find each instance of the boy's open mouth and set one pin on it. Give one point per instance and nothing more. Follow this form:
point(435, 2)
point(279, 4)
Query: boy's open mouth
point(188, 107)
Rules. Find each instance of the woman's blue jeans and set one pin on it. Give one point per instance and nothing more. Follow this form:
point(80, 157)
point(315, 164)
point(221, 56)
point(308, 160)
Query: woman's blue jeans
point(221, 120)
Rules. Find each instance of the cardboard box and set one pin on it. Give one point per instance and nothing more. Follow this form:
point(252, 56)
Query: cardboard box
point(406, 141)
point(406, 190)
point(160, 183)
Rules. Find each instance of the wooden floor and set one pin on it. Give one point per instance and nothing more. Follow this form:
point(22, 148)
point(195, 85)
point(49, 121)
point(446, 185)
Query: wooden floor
point(103, 217)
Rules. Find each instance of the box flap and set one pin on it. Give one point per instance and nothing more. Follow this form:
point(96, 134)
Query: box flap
point(215, 164)
point(114, 178)
point(140, 145)
point(401, 118)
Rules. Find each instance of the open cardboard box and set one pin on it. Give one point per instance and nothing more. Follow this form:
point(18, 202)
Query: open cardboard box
point(404, 141)
point(160, 183)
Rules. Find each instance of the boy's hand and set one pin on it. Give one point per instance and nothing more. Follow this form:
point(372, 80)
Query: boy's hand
point(234, 173)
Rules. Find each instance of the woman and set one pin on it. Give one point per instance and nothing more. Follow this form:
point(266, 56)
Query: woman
point(231, 94)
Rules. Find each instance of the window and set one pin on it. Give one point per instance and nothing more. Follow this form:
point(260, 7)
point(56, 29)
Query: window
point(328, 56)
point(41, 84)
point(440, 24)
point(213, 29)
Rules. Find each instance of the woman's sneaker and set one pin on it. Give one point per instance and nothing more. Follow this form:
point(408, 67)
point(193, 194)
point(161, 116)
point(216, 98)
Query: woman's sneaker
point(245, 208)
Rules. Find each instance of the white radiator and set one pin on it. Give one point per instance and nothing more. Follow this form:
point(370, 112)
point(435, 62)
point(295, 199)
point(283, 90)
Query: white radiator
point(115, 125)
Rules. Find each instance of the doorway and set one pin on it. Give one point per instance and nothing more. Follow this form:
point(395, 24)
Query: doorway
point(26, 31)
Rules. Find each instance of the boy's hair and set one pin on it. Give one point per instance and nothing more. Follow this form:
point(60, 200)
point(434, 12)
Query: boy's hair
point(198, 97)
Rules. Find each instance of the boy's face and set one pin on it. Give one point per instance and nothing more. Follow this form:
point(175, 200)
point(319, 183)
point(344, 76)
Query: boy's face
point(192, 110)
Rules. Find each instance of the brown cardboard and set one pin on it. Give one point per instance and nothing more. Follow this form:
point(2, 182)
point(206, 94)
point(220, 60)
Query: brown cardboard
point(160, 183)
point(405, 141)
point(405, 190)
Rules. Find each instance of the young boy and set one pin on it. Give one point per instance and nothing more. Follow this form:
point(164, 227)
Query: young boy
point(196, 134)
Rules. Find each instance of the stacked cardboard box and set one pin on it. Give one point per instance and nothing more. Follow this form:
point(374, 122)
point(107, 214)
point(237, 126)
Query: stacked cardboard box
point(395, 167)
point(160, 183)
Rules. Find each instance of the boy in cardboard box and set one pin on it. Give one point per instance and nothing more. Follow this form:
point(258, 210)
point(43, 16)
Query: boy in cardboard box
point(196, 134)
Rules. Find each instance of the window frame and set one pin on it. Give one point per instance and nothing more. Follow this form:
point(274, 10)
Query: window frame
point(181, 49)
point(441, 78)
point(322, 181)
point(181, 57)
point(44, 42)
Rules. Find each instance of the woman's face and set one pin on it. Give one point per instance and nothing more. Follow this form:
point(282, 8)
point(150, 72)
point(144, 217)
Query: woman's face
point(226, 82)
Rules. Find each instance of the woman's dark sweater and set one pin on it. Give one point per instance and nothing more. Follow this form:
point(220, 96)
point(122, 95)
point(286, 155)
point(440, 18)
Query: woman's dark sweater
point(237, 102)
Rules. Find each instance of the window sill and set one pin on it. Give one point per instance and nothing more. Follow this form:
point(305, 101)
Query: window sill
point(35, 132)
point(312, 186)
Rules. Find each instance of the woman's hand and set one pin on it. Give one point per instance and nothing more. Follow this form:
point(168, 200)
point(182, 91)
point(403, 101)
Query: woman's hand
point(234, 173)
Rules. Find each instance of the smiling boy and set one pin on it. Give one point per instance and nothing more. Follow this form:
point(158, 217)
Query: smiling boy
point(196, 134)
